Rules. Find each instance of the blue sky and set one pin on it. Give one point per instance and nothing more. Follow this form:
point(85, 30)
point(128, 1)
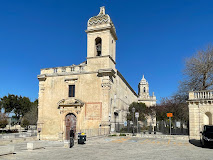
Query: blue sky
point(154, 37)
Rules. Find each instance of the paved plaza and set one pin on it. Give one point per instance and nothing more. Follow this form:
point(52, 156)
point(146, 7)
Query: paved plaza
point(109, 148)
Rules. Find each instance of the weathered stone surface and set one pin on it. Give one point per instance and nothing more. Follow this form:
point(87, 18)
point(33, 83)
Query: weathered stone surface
point(9, 149)
point(200, 105)
point(102, 95)
point(114, 148)
point(35, 145)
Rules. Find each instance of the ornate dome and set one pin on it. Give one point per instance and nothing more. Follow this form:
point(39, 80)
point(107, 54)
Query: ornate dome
point(101, 18)
point(143, 81)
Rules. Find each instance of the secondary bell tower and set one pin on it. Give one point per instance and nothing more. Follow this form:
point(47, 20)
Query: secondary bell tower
point(101, 41)
point(143, 88)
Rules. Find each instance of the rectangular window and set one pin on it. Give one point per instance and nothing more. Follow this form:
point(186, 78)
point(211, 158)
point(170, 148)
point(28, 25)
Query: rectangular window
point(55, 70)
point(71, 90)
point(72, 69)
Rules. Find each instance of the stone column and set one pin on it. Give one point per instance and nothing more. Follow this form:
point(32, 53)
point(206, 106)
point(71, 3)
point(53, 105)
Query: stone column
point(194, 121)
point(106, 104)
point(40, 106)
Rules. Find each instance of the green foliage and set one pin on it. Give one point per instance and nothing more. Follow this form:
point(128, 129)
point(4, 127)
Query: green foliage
point(122, 134)
point(9, 102)
point(3, 120)
point(16, 104)
point(32, 115)
point(143, 110)
point(25, 123)
point(23, 107)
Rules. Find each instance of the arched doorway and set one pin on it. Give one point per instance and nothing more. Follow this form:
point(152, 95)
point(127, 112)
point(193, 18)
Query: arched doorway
point(70, 123)
point(207, 119)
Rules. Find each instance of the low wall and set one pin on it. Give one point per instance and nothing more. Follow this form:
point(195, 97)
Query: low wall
point(29, 133)
point(16, 140)
point(175, 137)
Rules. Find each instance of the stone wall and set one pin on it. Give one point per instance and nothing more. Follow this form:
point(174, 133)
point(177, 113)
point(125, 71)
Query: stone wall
point(200, 112)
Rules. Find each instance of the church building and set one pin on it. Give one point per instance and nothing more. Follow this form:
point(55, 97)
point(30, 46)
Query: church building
point(144, 97)
point(90, 97)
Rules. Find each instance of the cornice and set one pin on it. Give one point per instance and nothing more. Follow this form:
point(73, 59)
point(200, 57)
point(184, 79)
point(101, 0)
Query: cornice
point(102, 57)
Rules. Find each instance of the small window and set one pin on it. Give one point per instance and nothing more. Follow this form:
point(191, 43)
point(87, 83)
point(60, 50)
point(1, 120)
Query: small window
point(72, 69)
point(144, 89)
point(81, 68)
point(63, 69)
point(71, 90)
point(55, 70)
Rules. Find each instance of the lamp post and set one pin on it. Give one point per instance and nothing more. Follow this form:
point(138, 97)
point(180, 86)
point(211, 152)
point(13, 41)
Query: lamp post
point(109, 123)
point(133, 111)
point(136, 116)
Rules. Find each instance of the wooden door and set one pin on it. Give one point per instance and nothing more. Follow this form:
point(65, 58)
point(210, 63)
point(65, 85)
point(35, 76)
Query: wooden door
point(70, 123)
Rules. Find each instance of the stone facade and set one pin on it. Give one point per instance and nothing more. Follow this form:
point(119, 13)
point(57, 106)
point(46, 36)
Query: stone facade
point(144, 97)
point(90, 96)
point(143, 93)
point(200, 111)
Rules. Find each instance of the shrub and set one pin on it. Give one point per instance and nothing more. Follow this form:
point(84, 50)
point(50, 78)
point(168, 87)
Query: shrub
point(25, 123)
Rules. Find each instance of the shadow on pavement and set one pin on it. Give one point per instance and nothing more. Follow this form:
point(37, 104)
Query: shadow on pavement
point(197, 143)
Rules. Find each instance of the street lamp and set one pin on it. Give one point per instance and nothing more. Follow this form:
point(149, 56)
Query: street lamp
point(133, 111)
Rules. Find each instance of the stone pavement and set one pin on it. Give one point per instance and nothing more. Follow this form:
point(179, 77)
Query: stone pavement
point(110, 148)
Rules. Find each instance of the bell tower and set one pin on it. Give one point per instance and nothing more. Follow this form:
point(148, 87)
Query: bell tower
point(143, 88)
point(101, 41)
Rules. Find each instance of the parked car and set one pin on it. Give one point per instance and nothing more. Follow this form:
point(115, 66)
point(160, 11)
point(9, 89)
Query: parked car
point(207, 136)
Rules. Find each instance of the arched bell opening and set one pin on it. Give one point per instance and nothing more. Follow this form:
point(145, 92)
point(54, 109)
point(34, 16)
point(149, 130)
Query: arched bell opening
point(98, 46)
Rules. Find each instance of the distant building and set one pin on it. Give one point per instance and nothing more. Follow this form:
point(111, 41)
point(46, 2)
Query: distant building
point(92, 96)
point(144, 97)
point(143, 93)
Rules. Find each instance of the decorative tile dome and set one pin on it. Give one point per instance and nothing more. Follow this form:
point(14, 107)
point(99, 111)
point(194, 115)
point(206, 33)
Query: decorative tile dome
point(101, 18)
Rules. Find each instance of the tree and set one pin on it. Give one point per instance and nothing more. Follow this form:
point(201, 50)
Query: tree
point(17, 104)
point(176, 105)
point(32, 115)
point(24, 105)
point(199, 71)
point(9, 102)
point(3, 120)
point(143, 110)
point(25, 123)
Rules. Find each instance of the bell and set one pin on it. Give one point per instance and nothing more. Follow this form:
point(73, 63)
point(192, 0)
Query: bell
point(98, 47)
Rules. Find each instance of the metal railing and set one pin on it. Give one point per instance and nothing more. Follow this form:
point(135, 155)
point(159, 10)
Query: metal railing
point(95, 132)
